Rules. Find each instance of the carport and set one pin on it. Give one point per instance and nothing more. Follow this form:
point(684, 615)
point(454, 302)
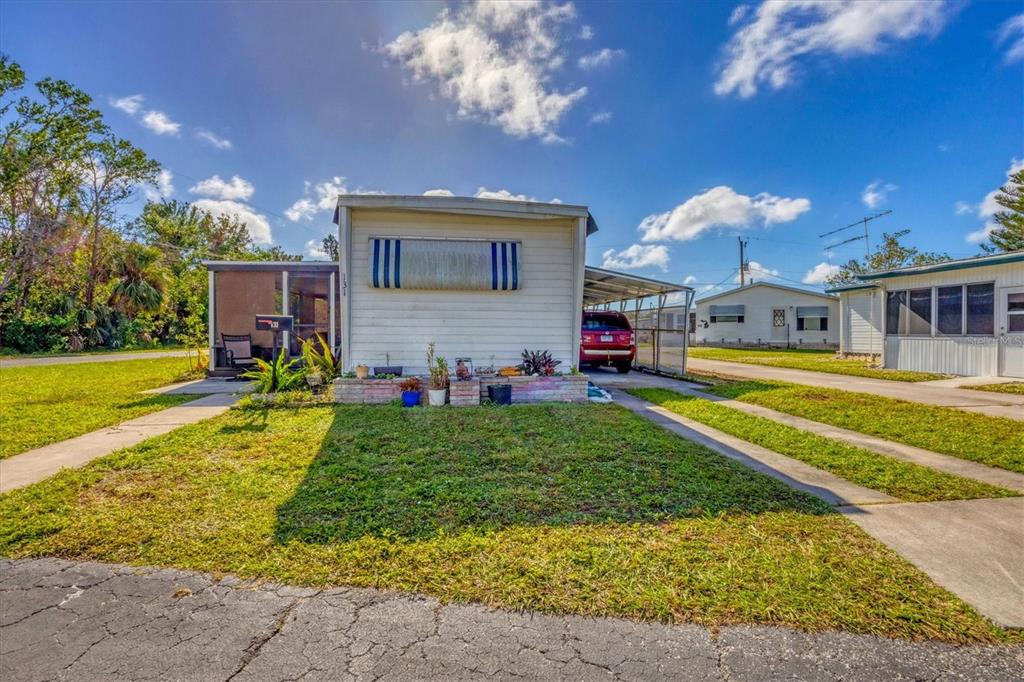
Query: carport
point(609, 290)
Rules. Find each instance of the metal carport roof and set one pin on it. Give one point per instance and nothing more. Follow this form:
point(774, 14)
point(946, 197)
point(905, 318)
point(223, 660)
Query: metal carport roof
point(602, 286)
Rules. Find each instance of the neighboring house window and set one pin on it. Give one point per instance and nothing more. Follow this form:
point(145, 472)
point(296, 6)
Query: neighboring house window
point(693, 321)
point(778, 318)
point(1015, 312)
point(981, 299)
point(919, 322)
point(812, 324)
point(726, 318)
point(946, 311)
point(950, 313)
point(812, 318)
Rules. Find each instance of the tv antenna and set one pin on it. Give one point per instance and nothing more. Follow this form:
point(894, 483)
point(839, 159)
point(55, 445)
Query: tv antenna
point(862, 222)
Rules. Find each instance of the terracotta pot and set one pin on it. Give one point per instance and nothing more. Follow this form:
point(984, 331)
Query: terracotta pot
point(362, 371)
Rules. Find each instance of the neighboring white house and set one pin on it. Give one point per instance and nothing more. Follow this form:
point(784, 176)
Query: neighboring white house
point(961, 317)
point(767, 313)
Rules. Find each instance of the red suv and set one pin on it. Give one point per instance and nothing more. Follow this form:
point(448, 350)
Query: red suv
point(607, 338)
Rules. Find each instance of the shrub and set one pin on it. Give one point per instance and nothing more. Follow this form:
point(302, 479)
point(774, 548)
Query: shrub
point(272, 377)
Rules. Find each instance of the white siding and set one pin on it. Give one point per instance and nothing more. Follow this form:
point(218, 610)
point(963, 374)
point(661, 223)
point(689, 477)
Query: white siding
point(393, 326)
point(863, 323)
point(758, 302)
point(966, 356)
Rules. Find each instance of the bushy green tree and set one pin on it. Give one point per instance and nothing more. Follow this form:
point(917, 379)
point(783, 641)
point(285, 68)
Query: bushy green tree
point(1009, 232)
point(890, 255)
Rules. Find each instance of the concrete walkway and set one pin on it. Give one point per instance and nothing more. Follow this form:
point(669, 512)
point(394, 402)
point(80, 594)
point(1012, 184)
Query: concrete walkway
point(973, 548)
point(993, 404)
point(35, 465)
point(91, 357)
point(792, 472)
point(908, 453)
point(87, 621)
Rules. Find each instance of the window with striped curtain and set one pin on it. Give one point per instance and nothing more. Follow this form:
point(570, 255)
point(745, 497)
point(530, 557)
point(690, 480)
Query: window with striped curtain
point(397, 263)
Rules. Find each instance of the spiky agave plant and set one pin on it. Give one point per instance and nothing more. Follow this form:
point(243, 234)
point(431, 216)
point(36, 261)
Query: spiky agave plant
point(271, 377)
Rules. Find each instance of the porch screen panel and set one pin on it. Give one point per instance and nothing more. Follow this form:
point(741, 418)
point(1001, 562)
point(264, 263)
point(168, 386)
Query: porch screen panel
point(444, 264)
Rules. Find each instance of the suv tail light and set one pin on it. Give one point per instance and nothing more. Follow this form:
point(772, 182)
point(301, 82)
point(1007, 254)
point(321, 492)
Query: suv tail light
point(632, 338)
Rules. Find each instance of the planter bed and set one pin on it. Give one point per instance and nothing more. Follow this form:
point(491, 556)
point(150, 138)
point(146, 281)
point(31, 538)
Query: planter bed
point(561, 389)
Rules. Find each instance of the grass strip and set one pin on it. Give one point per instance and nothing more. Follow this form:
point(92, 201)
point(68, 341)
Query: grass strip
point(1014, 387)
point(905, 480)
point(994, 441)
point(558, 508)
point(808, 359)
point(45, 404)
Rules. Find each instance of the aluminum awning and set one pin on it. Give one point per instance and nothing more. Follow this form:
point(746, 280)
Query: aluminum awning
point(602, 286)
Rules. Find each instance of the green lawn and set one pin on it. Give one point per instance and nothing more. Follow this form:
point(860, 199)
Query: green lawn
point(13, 354)
point(994, 441)
point(49, 403)
point(814, 360)
point(563, 509)
point(1016, 387)
point(905, 480)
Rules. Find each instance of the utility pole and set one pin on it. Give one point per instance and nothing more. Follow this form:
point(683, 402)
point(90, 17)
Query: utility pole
point(743, 260)
point(862, 222)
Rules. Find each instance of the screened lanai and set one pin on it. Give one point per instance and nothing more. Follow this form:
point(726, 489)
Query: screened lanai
point(239, 291)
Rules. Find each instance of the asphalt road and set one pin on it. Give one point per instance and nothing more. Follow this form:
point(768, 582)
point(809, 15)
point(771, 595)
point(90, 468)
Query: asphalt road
point(87, 621)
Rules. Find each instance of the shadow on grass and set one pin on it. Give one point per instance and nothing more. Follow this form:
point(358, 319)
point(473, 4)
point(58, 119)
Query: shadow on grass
point(385, 471)
point(252, 421)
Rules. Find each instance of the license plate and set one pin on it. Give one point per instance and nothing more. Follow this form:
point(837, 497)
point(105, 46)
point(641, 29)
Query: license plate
point(607, 338)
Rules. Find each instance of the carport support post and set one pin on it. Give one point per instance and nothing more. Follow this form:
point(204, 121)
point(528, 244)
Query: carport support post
point(686, 329)
point(657, 334)
point(636, 326)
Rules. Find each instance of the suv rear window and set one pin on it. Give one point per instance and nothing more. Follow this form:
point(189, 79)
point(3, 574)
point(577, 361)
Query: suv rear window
point(605, 322)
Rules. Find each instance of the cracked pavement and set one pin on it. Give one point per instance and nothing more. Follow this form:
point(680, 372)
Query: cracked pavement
point(62, 620)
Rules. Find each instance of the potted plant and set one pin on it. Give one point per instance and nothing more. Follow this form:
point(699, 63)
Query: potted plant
point(411, 390)
point(437, 386)
point(362, 371)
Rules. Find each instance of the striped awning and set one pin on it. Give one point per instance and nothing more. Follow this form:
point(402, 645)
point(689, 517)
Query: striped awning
point(444, 264)
point(812, 311)
point(725, 310)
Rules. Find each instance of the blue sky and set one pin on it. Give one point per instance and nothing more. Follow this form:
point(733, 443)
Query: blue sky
point(681, 125)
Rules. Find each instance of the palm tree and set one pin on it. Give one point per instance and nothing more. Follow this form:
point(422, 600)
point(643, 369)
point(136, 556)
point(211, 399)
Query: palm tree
point(140, 282)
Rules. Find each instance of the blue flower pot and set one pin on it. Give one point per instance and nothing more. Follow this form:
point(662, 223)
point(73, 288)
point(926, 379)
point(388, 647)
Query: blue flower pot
point(410, 398)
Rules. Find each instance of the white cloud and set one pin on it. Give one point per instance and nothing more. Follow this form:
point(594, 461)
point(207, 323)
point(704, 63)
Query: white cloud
point(601, 117)
point(235, 188)
point(495, 60)
point(636, 256)
point(129, 105)
point(820, 272)
point(213, 139)
point(1012, 32)
point(321, 197)
point(720, 207)
point(602, 57)
point(988, 207)
point(772, 40)
point(484, 193)
point(876, 193)
point(257, 224)
point(163, 188)
point(586, 32)
point(757, 272)
point(963, 208)
point(315, 249)
point(438, 193)
point(690, 279)
point(160, 123)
